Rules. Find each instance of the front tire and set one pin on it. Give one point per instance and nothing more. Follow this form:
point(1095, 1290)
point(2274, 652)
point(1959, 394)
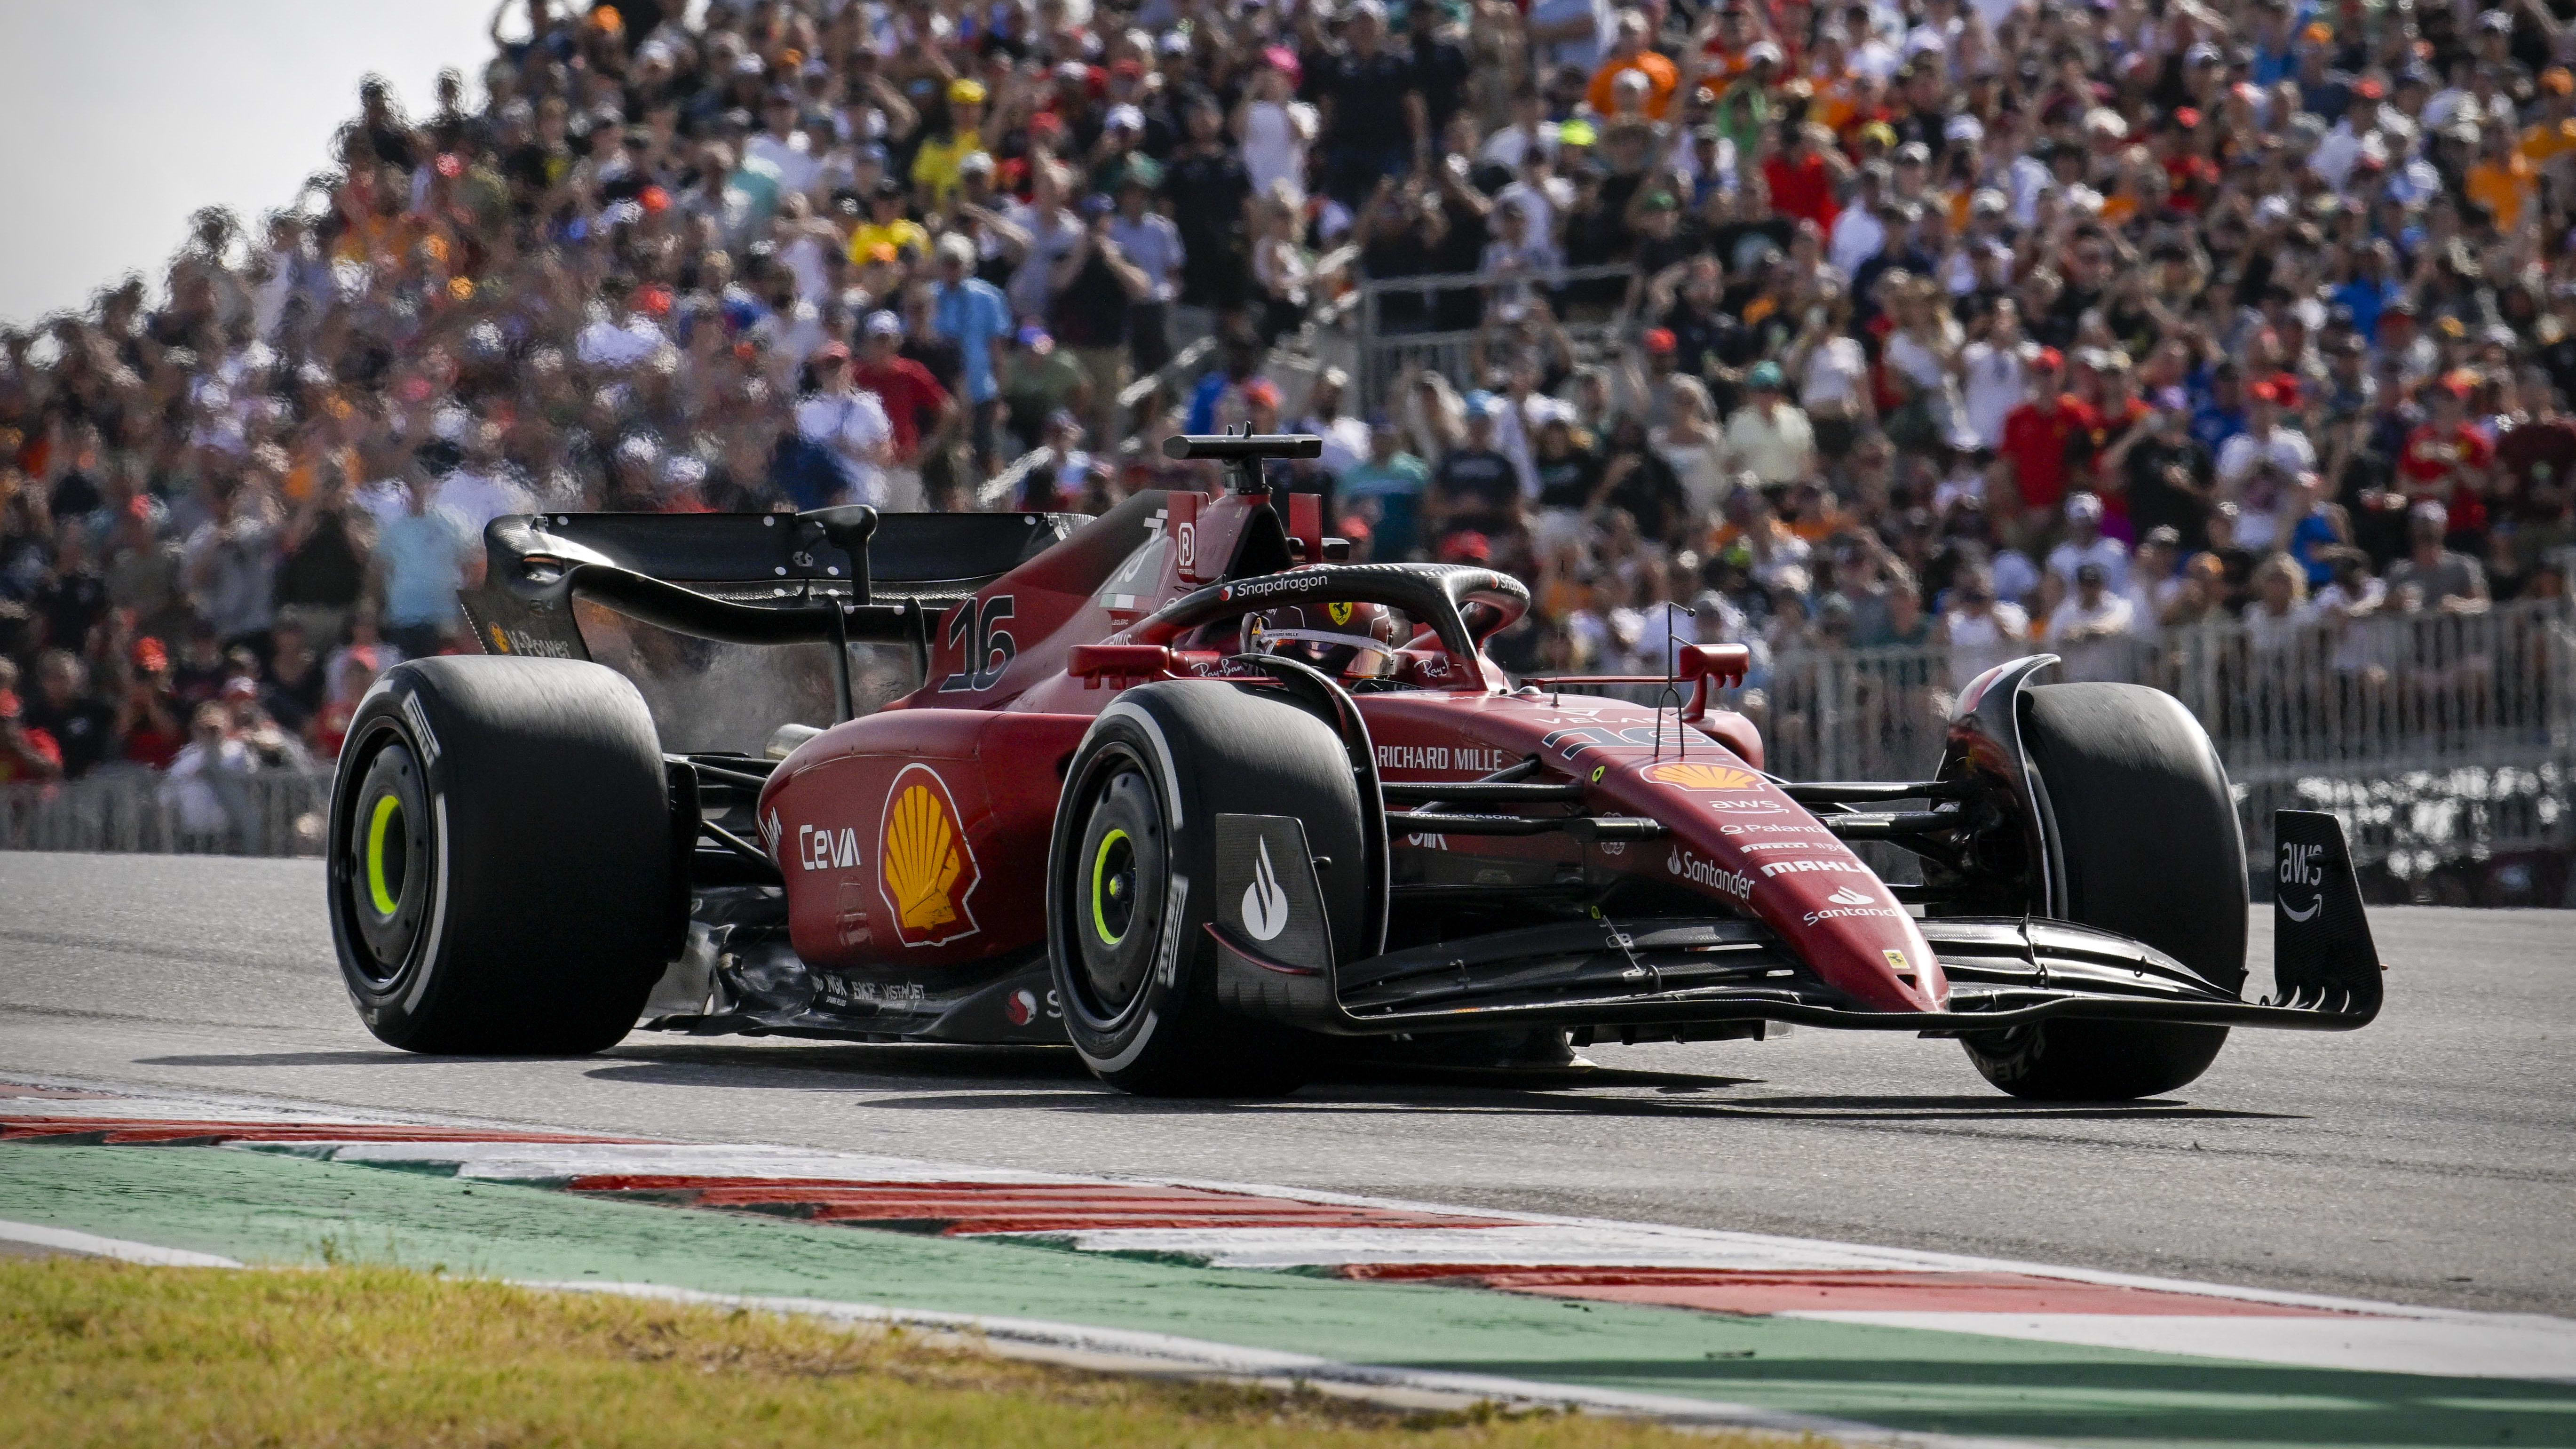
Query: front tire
point(501, 873)
point(1131, 882)
point(2147, 830)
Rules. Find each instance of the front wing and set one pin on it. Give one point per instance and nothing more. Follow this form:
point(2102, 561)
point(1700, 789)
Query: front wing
point(1672, 976)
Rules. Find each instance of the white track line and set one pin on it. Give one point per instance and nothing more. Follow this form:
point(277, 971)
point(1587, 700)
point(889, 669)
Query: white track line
point(2419, 1340)
point(123, 1249)
point(1223, 1360)
point(2489, 1350)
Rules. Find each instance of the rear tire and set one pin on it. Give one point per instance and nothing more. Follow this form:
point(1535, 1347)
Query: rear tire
point(2147, 831)
point(501, 872)
point(1131, 883)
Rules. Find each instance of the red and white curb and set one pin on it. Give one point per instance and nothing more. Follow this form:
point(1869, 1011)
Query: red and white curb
point(1236, 1225)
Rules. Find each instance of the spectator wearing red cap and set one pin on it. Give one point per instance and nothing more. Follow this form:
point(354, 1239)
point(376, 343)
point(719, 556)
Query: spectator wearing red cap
point(920, 414)
point(143, 569)
point(2258, 464)
point(850, 431)
point(2448, 461)
point(27, 753)
point(2038, 440)
point(151, 724)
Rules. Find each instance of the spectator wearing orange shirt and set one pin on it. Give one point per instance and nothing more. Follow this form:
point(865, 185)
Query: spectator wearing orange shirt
point(1629, 52)
point(2553, 136)
point(2501, 179)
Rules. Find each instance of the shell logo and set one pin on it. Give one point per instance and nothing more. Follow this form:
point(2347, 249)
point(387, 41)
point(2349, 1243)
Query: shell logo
point(925, 867)
point(1703, 777)
point(500, 641)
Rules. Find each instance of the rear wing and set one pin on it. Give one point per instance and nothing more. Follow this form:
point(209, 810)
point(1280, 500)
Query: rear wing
point(831, 575)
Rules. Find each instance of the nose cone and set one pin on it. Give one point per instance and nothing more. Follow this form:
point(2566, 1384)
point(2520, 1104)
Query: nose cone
point(1740, 839)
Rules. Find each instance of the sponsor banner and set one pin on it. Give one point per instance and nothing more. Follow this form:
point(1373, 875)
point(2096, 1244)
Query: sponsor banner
point(1477, 759)
point(1702, 872)
point(1266, 888)
point(1691, 776)
point(926, 866)
point(1810, 867)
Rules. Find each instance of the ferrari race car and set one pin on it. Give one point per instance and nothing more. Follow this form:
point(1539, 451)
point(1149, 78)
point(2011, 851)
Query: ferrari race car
point(1183, 787)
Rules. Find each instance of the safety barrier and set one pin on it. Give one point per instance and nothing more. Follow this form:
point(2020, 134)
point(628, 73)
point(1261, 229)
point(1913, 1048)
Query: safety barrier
point(1393, 323)
point(2433, 737)
point(262, 812)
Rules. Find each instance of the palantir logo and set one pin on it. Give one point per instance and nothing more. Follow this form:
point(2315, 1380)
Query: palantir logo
point(1265, 901)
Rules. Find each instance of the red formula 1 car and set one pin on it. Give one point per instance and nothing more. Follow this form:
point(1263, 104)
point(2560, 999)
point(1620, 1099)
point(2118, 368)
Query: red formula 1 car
point(1182, 788)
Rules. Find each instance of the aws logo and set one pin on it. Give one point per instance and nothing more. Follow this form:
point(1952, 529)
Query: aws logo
point(1703, 777)
point(925, 867)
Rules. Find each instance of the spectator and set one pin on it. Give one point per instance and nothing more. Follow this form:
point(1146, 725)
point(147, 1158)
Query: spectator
point(1979, 630)
point(81, 728)
point(1388, 488)
point(1475, 489)
point(2085, 543)
point(422, 558)
point(738, 258)
point(1769, 436)
point(2439, 578)
point(2256, 465)
point(231, 568)
point(2280, 613)
point(919, 412)
point(850, 431)
point(2091, 629)
point(28, 753)
point(208, 788)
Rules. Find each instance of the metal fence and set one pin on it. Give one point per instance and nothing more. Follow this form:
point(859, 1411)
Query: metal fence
point(265, 812)
point(2435, 738)
point(1400, 322)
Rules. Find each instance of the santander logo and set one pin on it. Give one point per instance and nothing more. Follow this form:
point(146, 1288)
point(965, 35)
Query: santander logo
point(1265, 901)
point(1846, 896)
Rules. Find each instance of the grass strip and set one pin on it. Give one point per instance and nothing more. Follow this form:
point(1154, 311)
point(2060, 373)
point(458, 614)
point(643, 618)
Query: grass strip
point(96, 1352)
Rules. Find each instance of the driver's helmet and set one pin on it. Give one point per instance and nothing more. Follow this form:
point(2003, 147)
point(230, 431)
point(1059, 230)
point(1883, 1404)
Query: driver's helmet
point(1349, 641)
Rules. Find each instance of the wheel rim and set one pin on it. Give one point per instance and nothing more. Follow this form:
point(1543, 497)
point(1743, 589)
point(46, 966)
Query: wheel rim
point(1114, 911)
point(385, 856)
point(1113, 887)
point(383, 866)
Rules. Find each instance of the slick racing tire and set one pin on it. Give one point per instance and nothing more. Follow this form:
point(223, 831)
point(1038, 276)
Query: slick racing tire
point(1132, 872)
point(501, 867)
point(2147, 830)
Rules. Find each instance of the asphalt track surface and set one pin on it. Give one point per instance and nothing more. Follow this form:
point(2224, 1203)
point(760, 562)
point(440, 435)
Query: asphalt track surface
point(2424, 1160)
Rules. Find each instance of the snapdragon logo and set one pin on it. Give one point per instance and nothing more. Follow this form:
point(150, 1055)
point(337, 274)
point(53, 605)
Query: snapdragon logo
point(1708, 873)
